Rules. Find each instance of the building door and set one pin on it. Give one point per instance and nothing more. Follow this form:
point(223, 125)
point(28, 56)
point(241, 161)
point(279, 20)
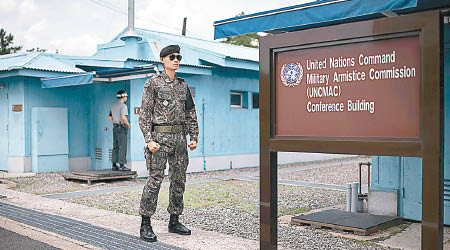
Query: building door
point(49, 140)
point(4, 128)
point(102, 143)
point(411, 192)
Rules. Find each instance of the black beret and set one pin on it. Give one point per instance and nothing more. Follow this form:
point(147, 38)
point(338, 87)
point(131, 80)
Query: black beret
point(169, 50)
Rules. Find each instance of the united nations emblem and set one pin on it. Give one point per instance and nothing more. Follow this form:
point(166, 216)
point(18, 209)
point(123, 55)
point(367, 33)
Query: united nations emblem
point(291, 74)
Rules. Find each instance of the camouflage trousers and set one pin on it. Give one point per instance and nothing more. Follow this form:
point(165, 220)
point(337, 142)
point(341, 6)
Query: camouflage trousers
point(173, 148)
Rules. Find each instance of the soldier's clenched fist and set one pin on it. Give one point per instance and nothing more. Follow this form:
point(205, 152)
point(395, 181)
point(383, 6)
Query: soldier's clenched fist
point(192, 145)
point(153, 146)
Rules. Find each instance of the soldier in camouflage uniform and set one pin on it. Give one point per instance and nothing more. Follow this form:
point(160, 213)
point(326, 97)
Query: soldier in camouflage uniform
point(167, 116)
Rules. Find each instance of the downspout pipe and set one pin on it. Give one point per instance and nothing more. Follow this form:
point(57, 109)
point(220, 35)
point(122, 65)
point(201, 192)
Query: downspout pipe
point(349, 197)
point(354, 205)
point(203, 134)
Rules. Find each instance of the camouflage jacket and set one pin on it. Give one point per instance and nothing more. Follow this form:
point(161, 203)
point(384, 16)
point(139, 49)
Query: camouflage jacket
point(167, 102)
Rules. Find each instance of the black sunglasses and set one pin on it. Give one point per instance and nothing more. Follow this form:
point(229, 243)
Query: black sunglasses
point(172, 57)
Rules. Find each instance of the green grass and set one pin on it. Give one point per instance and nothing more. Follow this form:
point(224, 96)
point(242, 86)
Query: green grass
point(297, 210)
point(219, 193)
point(233, 194)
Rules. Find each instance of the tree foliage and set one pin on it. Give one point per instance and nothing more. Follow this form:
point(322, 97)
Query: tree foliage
point(36, 50)
point(6, 42)
point(247, 40)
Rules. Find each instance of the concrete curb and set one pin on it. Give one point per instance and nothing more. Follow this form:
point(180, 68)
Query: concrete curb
point(16, 175)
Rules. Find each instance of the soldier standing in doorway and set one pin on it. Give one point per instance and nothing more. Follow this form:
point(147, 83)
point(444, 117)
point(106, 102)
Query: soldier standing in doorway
point(118, 116)
point(167, 116)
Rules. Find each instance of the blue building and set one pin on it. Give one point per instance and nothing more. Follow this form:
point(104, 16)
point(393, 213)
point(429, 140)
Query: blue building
point(54, 108)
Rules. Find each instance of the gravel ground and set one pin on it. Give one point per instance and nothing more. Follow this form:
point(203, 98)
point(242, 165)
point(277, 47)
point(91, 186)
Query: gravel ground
point(336, 175)
point(231, 207)
point(50, 183)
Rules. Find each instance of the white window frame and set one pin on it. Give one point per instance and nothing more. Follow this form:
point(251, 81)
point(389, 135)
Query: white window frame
point(242, 100)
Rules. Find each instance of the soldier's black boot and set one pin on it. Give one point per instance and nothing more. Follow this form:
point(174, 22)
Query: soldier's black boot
point(176, 227)
point(147, 233)
point(115, 167)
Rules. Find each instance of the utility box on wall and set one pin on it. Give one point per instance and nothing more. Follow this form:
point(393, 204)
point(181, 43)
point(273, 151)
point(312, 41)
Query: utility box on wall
point(49, 146)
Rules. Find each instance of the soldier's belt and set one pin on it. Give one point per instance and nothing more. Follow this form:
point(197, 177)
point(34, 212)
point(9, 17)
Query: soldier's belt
point(168, 129)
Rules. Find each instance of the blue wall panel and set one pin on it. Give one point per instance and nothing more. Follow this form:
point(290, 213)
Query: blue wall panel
point(77, 101)
point(50, 148)
point(229, 131)
point(386, 172)
point(4, 106)
point(136, 152)
point(16, 120)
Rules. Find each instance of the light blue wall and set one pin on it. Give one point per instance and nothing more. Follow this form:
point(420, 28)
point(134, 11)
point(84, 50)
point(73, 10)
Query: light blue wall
point(136, 152)
point(131, 50)
point(4, 114)
point(16, 133)
point(226, 131)
point(386, 167)
point(77, 101)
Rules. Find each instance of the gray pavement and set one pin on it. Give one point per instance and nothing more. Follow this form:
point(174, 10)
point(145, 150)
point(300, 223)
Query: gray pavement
point(73, 223)
point(13, 241)
point(78, 230)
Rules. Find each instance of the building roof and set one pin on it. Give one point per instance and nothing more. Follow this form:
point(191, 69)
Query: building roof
point(223, 49)
point(195, 51)
point(77, 64)
point(36, 61)
point(198, 56)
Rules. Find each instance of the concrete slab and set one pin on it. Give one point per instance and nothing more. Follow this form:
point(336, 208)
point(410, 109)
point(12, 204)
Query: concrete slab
point(128, 224)
point(410, 238)
point(383, 203)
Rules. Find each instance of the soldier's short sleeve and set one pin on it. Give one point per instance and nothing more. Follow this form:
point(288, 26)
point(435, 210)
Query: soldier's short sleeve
point(124, 110)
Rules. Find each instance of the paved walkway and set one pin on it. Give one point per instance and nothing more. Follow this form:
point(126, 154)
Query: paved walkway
point(91, 228)
point(78, 230)
point(12, 241)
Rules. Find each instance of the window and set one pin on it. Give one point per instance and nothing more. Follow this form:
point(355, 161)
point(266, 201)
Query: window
point(239, 100)
point(236, 100)
point(255, 100)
